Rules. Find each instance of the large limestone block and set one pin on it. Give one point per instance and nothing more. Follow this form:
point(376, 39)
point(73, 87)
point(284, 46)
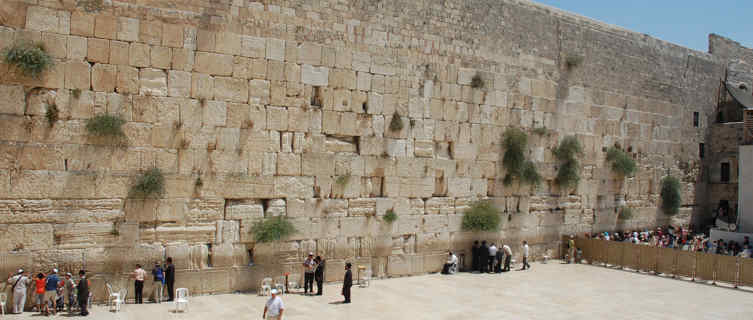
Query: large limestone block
point(160, 57)
point(253, 47)
point(231, 89)
point(315, 76)
point(318, 164)
point(12, 99)
point(141, 210)
point(228, 43)
point(214, 63)
point(294, 187)
point(288, 164)
point(259, 91)
point(362, 207)
point(275, 49)
point(228, 232)
point(153, 82)
point(26, 236)
point(215, 113)
point(104, 77)
point(179, 83)
point(49, 20)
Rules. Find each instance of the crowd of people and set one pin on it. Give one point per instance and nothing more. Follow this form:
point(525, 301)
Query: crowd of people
point(51, 293)
point(681, 239)
point(488, 258)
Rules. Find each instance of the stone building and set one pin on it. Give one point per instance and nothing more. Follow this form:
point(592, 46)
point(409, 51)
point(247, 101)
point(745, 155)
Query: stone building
point(283, 108)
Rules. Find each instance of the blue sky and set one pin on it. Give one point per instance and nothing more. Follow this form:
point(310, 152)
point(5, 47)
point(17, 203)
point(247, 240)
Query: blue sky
point(684, 22)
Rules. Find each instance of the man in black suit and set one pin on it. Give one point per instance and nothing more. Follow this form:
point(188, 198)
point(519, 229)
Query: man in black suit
point(347, 283)
point(475, 256)
point(170, 278)
point(483, 257)
point(83, 292)
point(319, 274)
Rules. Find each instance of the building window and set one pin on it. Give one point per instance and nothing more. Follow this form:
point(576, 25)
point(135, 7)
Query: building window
point(725, 171)
point(701, 150)
point(695, 119)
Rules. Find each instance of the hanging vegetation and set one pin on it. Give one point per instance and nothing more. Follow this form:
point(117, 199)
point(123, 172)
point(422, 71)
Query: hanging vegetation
point(622, 162)
point(671, 197)
point(482, 216)
point(567, 154)
point(30, 58)
point(272, 229)
point(514, 161)
point(150, 184)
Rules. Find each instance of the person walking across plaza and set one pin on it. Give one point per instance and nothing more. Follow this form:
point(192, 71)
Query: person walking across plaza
point(492, 257)
point(508, 256)
point(170, 278)
point(50, 290)
point(347, 283)
point(308, 271)
point(139, 274)
point(319, 275)
point(82, 290)
point(19, 284)
point(274, 307)
point(525, 256)
point(159, 282)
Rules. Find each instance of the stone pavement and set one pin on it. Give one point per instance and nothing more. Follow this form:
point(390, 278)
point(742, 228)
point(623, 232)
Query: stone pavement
point(548, 291)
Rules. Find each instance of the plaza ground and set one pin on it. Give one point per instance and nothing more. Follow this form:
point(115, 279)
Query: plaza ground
point(548, 291)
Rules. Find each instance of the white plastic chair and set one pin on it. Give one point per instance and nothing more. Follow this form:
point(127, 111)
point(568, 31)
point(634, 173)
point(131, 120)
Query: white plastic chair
point(365, 279)
point(111, 295)
point(547, 255)
point(3, 298)
point(120, 299)
point(293, 281)
point(181, 298)
point(280, 284)
point(265, 287)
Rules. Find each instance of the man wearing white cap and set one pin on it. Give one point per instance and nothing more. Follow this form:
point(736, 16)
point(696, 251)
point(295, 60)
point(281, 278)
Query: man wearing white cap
point(308, 270)
point(274, 307)
point(19, 283)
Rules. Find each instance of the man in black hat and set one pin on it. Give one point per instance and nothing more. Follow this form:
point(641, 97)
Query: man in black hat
point(83, 292)
point(319, 274)
point(483, 257)
point(474, 253)
point(347, 283)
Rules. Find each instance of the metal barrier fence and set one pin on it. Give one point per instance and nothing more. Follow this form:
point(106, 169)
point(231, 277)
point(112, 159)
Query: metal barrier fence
point(694, 265)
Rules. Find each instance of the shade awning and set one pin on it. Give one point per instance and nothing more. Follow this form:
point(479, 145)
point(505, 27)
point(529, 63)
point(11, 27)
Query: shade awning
point(743, 95)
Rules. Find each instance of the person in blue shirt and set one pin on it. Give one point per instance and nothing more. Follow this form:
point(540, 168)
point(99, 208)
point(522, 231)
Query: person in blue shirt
point(159, 282)
point(50, 289)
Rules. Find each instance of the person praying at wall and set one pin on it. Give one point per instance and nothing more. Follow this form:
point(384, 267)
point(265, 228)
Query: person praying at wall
point(475, 256)
point(347, 283)
point(139, 274)
point(19, 284)
point(319, 275)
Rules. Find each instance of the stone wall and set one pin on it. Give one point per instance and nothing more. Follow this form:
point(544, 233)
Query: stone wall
point(283, 107)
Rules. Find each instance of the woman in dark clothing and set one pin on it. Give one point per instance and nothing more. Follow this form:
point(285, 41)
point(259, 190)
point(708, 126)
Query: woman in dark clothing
point(319, 274)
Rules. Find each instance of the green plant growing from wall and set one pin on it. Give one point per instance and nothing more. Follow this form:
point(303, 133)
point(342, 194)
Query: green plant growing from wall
point(76, 93)
point(625, 213)
point(622, 163)
point(52, 114)
point(151, 184)
point(481, 216)
point(342, 180)
point(106, 125)
point(30, 58)
point(396, 124)
point(514, 161)
point(477, 81)
point(272, 229)
point(541, 131)
point(390, 216)
point(573, 61)
point(567, 153)
point(671, 197)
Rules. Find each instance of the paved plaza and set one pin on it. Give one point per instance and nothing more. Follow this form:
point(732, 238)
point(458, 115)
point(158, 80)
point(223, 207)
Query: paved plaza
point(548, 291)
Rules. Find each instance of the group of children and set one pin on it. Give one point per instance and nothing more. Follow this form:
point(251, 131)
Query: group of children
point(51, 293)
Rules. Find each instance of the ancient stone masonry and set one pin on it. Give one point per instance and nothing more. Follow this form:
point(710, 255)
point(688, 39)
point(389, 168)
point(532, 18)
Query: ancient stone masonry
point(255, 109)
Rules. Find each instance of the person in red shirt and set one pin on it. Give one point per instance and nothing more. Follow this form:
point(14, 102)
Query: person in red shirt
point(39, 291)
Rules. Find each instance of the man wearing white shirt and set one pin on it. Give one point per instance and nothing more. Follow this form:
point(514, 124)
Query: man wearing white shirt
point(492, 256)
point(274, 307)
point(525, 256)
point(451, 265)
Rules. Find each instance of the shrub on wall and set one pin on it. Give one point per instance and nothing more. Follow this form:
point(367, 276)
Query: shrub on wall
point(272, 229)
point(477, 81)
point(396, 124)
point(671, 198)
point(622, 162)
point(149, 184)
point(106, 125)
point(30, 58)
point(514, 161)
point(567, 153)
point(390, 216)
point(482, 216)
point(52, 114)
point(626, 213)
